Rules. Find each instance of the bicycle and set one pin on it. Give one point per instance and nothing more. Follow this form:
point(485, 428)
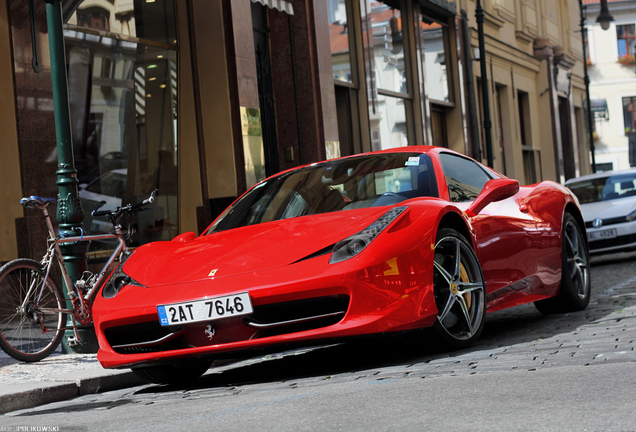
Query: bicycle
point(33, 316)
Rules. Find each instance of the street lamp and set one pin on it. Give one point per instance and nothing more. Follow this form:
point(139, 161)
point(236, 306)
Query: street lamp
point(604, 19)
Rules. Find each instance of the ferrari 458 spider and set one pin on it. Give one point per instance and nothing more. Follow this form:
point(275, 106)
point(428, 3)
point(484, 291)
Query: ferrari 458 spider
point(382, 242)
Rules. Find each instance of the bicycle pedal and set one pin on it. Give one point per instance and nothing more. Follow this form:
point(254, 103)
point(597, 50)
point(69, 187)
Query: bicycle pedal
point(71, 341)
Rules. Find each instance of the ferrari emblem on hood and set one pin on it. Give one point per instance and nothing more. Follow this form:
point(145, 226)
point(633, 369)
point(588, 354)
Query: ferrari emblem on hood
point(213, 272)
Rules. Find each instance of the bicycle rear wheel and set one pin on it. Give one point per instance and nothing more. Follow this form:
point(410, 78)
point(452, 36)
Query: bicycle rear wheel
point(30, 329)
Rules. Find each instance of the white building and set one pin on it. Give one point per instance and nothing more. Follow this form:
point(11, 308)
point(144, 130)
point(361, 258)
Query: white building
point(612, 73)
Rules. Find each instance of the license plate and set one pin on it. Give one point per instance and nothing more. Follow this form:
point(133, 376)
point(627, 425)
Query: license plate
point(601, 235)
point(205, 310)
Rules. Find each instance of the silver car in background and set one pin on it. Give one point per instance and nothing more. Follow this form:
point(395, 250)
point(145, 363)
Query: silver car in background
point(608, 202)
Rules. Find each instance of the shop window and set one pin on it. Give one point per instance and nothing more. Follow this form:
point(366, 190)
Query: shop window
point(339, 40)
point(386, 65)
point(154, 21)
point(435, 41)
point(123, 100)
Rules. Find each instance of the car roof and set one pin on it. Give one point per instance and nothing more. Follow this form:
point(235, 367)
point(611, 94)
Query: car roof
point(602, 174)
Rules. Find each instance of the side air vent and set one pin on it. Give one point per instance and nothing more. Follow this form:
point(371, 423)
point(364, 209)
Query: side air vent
point(321, 252)
point(297, 315)
point(142, 338)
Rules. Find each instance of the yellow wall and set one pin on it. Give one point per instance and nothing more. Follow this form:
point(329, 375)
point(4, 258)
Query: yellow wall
point(215, 98)
point(10, 190)
point(511, 28)
point(189, 168)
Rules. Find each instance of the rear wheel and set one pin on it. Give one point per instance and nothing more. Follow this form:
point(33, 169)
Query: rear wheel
point(460, 293)
point(178, 373)
point(574, 294)
point(31, 326)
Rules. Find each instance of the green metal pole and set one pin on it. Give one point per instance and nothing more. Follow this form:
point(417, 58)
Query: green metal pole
point(69, 209)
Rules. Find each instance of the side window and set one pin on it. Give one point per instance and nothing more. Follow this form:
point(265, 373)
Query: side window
point(465, 178)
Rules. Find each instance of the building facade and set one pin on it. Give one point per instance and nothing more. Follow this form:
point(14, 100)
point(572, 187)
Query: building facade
point(612, 72)
point(202, 99)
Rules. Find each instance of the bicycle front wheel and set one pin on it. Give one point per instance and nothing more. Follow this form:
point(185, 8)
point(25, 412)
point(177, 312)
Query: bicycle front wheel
point(31, 324)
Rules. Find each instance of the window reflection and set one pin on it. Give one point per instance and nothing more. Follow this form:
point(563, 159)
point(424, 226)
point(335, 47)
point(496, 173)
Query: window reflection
point(123, 97)
point(388, 48)
point(386, 74)
point(433, 37)
point(339, 40)
point(154, 21)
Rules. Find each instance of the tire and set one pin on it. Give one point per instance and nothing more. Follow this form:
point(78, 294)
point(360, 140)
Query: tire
point(31, 333)
point(178, 373)
point(574, 294)
point(460, 292)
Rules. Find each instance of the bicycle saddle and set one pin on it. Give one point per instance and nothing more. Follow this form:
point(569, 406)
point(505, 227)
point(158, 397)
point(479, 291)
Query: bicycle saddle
point(36, 201)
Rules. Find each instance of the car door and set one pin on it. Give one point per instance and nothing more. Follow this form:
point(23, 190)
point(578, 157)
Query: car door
point(507, 238)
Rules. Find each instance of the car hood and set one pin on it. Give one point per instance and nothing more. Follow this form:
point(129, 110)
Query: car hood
point(608, 209)
point(246, 249)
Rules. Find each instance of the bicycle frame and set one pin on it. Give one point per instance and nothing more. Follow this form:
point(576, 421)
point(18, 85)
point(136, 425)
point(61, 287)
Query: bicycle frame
point(36, 314)
point(72, 294)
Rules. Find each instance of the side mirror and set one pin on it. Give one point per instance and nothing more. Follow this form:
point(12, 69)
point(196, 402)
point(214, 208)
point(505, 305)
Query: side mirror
point(185, 237)
point(493, 191)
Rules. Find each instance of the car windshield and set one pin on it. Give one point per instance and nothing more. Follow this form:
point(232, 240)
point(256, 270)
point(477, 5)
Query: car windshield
point(342, 184)
point(605, 188)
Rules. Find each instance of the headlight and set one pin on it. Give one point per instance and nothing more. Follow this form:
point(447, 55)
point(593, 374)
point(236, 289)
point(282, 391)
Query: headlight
point(352, 246)
point(117, 281)
point(630, 217)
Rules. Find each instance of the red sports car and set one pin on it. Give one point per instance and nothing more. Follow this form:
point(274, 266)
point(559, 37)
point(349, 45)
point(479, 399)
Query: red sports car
point(380, 242)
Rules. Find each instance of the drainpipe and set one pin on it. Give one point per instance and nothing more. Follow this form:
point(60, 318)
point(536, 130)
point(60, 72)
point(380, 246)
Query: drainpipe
point(69, 209)
point(479, 14)
point(470, 83)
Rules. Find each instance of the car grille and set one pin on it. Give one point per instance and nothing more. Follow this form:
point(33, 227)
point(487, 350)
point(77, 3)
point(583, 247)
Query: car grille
point(266, 320)
point(143, 338)
point(608, 221)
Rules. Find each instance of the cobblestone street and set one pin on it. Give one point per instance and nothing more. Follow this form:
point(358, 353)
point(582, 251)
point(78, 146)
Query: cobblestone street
point(521, 354)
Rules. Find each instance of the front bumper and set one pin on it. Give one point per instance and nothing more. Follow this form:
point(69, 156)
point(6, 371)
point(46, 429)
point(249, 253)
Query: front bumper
point(611, 237)
point(306, 301)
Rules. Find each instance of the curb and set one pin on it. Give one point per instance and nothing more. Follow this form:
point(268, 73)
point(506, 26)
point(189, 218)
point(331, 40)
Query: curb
point(30, 395)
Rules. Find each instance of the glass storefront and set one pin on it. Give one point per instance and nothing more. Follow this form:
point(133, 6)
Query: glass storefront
point(388, 86)
point(434, 41)
point(122, 73)
point(381, 48)
point(339, 30)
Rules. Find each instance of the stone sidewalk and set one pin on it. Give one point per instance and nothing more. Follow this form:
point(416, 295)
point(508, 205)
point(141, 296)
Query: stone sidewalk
point(58, 377)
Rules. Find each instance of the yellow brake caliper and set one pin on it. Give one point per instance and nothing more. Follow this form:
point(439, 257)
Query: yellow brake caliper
point(463, 275)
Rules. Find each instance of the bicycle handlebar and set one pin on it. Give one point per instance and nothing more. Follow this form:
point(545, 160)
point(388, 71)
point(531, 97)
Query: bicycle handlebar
point(115, 214)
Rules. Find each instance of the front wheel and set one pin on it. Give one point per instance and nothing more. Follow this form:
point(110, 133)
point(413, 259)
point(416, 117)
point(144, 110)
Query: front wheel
point(31, 324)
point(575, 272)
point(460, 292)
